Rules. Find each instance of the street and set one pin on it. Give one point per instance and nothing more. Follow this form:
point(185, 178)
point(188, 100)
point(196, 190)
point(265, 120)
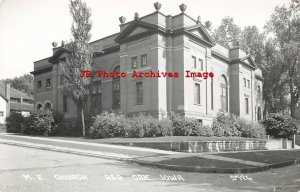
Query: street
point(33, 170)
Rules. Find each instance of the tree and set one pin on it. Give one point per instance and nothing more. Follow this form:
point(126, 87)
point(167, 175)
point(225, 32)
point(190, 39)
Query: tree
point(275, 83)
point(252, 41)
point(228, 33)
point(23, 83)
point(285, 26)
point(80, 56)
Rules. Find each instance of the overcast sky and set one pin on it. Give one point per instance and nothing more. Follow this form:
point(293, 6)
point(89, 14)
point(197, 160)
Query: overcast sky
point(28, 27)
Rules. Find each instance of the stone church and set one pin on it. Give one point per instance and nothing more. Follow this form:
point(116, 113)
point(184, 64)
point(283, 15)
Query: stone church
point(159, 42)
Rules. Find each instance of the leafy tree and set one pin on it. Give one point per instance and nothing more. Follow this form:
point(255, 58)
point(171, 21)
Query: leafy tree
point(79, 58)
point(252, 41)
point(23, 83)
point(284, 24)
point(275, 83)
point(228, 33)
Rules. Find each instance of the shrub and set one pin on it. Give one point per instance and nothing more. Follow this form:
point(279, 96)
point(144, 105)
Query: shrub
point(206, 131)
point(42, 122)
point(14, 123)
point(165, 127)
point(179, 125)
point(183, 126)
point(278, 125)
point(107, 125)
point(251, 129)
point(144, 126)
point(225, 125)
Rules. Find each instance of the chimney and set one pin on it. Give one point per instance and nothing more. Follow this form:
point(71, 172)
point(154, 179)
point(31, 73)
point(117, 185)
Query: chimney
point(7, 91)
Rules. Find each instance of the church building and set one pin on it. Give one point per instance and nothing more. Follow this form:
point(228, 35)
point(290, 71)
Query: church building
point(164, 43)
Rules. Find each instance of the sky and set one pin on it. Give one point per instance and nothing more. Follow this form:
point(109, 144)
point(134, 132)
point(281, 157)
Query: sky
point(28, 27)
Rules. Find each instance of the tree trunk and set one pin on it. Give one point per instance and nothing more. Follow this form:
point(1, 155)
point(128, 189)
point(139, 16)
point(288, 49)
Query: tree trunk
point(82, 120)
point(293, 104)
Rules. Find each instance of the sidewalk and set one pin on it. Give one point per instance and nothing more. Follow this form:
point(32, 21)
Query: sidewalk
point(231, 162)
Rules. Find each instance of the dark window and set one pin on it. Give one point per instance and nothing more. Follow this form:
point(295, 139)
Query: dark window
point(96, 97)
point(65, 103)
point(62, 80)
point(197, 99)
point(39, 84)
point(201, 64)
point(258, 89)
point(48, 82)
point(144, 60)
point(248, 81)
point(247, 105)
point(97, 102)
point(139, 93)
point(48, 106)
point(1, 113)
point(134, 62)
point(194, 62)
point(39, 106)
point(224, 94)
point(116, 91)
point(96, 88)
point(258, 113)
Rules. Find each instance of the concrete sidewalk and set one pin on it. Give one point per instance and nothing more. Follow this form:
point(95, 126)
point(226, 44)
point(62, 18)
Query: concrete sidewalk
point(231, 162)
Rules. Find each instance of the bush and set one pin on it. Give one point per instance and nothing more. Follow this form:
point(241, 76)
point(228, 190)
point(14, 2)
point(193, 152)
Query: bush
point(165, 127)
point(42, 122)
point(251, 129)
point(183, 126)
point(179, 125)
point(14, 123)
point(278, 125)
point(225, 125)
point(112, 125)
point(144, 126)
point(108, 125)
point(206, 131)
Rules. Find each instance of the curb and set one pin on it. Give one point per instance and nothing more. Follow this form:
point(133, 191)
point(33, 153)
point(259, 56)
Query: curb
point(135, 160)
point(64, 150)
point(198, 169)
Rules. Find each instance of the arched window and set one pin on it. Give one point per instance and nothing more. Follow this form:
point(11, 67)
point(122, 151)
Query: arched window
point(258, 90)
point(224, 93)
point(39, 106)
point(116, 90)
point(48, 106)
point(258, 113)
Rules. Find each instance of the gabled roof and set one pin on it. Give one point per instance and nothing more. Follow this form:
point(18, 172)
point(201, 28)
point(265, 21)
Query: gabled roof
point(144, 29)
point(200, 32)
point(57, 54)
point(13, 93)
point(247, 60)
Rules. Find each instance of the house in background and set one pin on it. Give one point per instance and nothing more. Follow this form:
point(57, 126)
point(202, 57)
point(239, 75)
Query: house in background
point(12, 100)
point(159, 42)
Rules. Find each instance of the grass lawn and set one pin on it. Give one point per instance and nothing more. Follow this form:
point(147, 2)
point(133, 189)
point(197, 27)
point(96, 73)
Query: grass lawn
point(155, 139)
point(269, 157)
point(203, 162)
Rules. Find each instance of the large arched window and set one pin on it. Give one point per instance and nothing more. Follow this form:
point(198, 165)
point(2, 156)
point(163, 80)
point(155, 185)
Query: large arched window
point(224, 93)
point(48, 106)
point(116, 90)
